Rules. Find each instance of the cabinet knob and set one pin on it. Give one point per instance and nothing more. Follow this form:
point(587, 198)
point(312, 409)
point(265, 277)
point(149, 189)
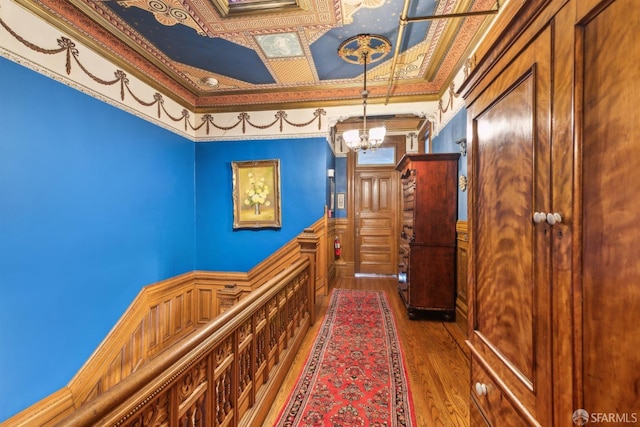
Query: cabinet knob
point(552, 218)
point(538, 217)
point(481, 389)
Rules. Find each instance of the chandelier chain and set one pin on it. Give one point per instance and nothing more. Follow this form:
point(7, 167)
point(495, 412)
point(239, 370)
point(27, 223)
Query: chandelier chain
point(363, 49)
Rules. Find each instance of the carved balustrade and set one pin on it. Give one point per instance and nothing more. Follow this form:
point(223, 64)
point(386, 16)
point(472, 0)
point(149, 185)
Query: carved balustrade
point(216, 375)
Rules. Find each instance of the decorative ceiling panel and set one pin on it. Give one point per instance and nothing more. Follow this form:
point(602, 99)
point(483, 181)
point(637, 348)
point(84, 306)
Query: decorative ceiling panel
point(296, 71)
point(239, 55)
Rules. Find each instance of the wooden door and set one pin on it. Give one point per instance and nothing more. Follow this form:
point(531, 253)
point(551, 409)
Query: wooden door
point(610, 212)
point(376, 206)
point(509, 170)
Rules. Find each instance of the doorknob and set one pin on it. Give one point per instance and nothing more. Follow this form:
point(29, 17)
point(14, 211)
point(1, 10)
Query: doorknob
point(538, 217)
point(481, 389)
point(552, 218)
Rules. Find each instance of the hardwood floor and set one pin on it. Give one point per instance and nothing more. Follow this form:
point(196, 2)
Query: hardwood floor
point(437, 360)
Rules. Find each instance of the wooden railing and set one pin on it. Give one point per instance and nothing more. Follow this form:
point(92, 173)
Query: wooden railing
point(221, 374)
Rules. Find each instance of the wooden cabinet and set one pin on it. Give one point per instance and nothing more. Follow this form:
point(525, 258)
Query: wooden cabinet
point(510, 169)
point(427, 243)
point(553, 294)
point(607, 221)
point(461, 273)
point(491, 400)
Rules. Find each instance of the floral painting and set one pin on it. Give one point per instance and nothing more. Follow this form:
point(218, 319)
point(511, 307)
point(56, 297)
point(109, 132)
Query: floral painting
point(256, 194)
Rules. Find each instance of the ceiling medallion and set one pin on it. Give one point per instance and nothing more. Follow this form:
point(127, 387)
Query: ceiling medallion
point(364, 49)
point(210, 81)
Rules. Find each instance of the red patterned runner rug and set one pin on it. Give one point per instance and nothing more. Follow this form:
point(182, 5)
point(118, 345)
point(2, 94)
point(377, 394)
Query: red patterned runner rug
point(355, 374)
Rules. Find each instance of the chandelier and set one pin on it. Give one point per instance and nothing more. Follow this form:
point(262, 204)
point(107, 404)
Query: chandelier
point(363, 49)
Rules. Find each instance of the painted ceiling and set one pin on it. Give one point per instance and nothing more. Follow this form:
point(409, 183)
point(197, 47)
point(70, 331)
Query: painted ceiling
point(232, 55)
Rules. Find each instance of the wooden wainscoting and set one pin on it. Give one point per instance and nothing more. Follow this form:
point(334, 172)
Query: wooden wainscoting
point(162, 314)
point(226, 373)
point(345, 264)
point(461, 274)
point(325, 266)
point(330, 268)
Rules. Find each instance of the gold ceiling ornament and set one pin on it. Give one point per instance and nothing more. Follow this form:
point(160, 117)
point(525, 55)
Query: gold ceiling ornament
point(166, 12)
point(364, 49)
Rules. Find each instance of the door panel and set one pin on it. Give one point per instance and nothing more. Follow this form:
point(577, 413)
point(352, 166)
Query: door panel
point(376, 195)
point(611, 169)
point(510, 269)
point(505, 314)
point(429, 287)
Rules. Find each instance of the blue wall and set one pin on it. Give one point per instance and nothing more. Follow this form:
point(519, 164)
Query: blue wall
point(341, 184)
point(94, 204)
point(445, 143)
point(330, 163)
point(303, 173)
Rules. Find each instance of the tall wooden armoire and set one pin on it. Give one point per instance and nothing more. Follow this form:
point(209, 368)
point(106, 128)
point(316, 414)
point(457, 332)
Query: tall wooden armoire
point(554, 215)
point(427, 242)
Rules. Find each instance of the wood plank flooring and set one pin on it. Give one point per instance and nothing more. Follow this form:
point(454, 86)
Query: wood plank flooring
point(437, 360)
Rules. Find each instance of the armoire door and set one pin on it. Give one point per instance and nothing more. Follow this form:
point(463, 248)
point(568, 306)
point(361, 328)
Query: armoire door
point(610, 288)
point(509, 273)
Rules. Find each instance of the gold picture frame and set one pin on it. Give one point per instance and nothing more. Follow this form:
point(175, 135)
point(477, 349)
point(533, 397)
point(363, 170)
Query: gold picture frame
point(256, 194)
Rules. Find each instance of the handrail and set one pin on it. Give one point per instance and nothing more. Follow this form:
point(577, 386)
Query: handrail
point(213, 356)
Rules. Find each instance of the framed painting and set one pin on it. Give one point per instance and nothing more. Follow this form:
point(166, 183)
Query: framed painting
point(256, 194)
